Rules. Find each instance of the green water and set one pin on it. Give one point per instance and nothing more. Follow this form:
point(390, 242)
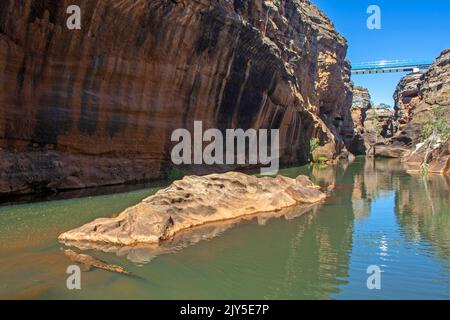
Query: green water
point(376, 215)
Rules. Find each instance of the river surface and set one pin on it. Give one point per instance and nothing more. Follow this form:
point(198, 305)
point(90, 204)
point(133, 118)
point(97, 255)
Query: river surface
point(377, 215)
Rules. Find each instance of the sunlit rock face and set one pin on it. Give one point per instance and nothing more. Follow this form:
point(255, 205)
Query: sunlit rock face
point(416, 96)
point(418, 93)
point(405, 96)
point(379, 124)
point(97, 106)
point(360, 104)
point(195, 201)
point(373, 124)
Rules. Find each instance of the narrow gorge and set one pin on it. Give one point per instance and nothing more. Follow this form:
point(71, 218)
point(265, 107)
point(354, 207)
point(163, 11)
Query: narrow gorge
point(399, 132)
point(224, 150)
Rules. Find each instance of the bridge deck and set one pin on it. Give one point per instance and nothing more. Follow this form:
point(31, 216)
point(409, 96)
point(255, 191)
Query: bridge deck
point(388, 66)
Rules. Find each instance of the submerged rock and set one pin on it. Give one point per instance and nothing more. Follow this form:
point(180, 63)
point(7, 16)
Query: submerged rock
point(92, 262)
point(143, 253)
point(195, 201)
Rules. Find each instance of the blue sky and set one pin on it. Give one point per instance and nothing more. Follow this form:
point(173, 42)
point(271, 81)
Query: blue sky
point(411, 29)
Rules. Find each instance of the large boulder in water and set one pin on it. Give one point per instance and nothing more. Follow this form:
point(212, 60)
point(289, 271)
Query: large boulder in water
point(195, 201)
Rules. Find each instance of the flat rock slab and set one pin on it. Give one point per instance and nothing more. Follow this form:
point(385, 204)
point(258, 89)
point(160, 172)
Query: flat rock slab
point(143, 253)
point(197, 201)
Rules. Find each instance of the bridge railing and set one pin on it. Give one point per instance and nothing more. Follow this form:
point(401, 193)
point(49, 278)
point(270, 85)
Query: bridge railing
point(391, 64)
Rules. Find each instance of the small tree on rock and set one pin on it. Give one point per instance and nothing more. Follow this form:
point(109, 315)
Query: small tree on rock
point(435, 131)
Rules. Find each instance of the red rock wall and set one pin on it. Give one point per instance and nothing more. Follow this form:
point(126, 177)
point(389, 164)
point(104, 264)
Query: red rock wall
point(97, 106)
point(416, 96)
point(418, 93)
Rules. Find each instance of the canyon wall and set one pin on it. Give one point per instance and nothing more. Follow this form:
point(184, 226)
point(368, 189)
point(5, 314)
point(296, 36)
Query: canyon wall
point(417, 97)
point(418, 93)
point(360, 104)
point(97, 106)
point(374, 124)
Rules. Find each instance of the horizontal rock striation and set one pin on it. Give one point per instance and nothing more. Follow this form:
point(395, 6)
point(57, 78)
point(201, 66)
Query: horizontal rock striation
point(195, 201)
point(97, 106)
point(416, 97)
point(418, 93)
point(406, 96)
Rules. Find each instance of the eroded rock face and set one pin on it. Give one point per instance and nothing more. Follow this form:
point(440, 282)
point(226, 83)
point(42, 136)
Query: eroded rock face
point(379, 124)
point(195, 201)
point(360, 104)
point(418, 93)
point(438, 158)
point(97, 106)
point(361, 100)
point(373, 124)
point(416, 96)
point(405, 96)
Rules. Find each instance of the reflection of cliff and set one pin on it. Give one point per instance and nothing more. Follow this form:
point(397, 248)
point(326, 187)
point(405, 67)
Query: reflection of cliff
point(378, 177)
point(422, 207)
point(371, 180)
point(320, 246)
point(324, 175)
point(360, 205)
point(319, 253)
point(422, 204)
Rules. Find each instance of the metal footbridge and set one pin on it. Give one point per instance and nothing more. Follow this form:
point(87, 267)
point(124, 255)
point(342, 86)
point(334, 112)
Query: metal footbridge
point(390, 66)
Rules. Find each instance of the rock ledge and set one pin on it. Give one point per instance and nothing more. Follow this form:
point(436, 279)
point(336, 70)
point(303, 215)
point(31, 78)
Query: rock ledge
point(195, 201)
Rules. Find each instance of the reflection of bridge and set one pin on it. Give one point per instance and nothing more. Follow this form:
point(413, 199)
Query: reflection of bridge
point(389, 66)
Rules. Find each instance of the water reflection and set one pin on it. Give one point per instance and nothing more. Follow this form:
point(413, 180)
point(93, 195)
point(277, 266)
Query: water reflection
point(404, 220)
point(422, 208)
point(144, 253)
point(377, 214)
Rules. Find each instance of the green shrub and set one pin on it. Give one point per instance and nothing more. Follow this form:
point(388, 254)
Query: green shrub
point(314, 143)
point(437, 124)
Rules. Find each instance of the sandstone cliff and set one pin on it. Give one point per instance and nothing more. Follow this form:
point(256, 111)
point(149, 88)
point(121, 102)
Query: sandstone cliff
point(360, 104)
point(97, 106)
point(373, 124)
point(405, 96)
point(417, 97)
point(418, 93)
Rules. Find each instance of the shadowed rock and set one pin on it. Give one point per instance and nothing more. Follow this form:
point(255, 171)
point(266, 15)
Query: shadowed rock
point(97, 106)
point(93, 262)
point(195, 201)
